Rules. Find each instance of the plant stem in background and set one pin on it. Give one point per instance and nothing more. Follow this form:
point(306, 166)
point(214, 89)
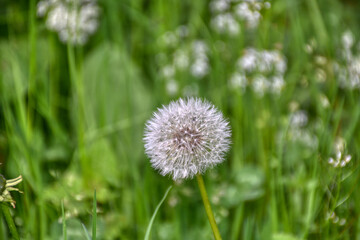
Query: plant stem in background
point(77, 81)
point(10, 222)
point(208, 207)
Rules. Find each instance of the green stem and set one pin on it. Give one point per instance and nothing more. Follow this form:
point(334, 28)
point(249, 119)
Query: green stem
point(10, 222)
point(208, 207)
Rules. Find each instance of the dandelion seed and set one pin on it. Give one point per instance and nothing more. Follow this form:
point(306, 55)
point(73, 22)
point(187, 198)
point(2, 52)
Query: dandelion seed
point(186, 137)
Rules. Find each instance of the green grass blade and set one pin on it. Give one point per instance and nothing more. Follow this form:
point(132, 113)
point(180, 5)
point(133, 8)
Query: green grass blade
point(63, 220)
point(94, 218)
point(86, 232)
point(148, 230)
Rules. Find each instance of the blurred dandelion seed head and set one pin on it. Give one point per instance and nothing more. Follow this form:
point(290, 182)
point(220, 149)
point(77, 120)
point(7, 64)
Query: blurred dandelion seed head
point(73, 20)
point(186, 137)
point(262, 70)
point(182, 57)
point(347, 69)
point(228, 14)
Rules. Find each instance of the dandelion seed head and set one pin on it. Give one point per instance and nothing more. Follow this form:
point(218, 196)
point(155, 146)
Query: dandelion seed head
point(186, 137)
point(73, 20)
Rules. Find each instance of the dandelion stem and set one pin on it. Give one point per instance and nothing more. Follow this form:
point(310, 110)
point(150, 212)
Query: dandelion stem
point(208, 207)
point(10, 222)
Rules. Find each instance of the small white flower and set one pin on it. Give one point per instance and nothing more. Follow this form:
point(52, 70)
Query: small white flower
point(186, 137)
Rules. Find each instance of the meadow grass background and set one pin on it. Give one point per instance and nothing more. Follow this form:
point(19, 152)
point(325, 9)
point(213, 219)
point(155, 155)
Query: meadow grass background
point(72, 120)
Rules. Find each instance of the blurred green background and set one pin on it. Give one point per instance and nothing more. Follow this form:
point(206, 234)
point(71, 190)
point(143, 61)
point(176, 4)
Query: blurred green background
point(72, 118)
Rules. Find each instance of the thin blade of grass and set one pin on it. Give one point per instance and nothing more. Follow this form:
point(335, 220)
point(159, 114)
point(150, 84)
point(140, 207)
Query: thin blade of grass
point(63, 220)
point(86, 232)
point(94, 218)
point(148, 230)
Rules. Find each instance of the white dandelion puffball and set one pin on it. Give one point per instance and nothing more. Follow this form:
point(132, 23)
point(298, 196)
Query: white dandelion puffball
point(186, 137)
